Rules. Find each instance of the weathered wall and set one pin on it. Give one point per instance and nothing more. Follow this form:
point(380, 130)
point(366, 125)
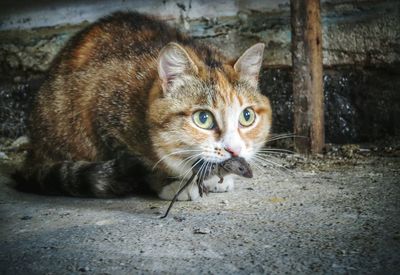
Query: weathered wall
point(361, 103)
point(354, 32)
point(360, 37)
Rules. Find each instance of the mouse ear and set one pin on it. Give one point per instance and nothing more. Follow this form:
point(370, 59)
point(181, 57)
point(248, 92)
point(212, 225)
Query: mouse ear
point(174, 62)
point(249, 64)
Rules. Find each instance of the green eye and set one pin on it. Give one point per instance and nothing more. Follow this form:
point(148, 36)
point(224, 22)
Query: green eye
point(247, 117)
point(204, 119)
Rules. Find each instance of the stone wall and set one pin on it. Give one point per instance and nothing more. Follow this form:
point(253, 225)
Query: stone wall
point(358, 35)
point(354, 32)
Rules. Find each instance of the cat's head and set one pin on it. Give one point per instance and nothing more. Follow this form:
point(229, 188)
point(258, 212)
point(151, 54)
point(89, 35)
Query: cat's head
point(206, 107)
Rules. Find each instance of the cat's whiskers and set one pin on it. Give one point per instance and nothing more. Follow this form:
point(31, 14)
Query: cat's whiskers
point(185, 161)
point(263, 165)
point(203, 171)
point(260, 166)
point(274, 153)
point(277, 150)
point(264, 157)
point(277, 137)
point(202, 167)
point(283, 136)
point(184, 165)
point(263, 160)
point(188, 171)
point(174, 153)
point(208, 166)
point(256, 165)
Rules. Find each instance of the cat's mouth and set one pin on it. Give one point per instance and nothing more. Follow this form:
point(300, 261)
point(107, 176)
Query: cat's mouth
point(233, 165)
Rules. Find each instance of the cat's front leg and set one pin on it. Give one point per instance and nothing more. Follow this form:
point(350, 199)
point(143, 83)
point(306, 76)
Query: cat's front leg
point(213, 184)
point(189, 193)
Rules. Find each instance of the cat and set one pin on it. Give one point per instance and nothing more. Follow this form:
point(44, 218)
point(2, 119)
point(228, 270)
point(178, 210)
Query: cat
point(131, 101)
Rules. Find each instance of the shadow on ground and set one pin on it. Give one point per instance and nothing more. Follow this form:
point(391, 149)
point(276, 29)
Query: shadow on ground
point(333, 215)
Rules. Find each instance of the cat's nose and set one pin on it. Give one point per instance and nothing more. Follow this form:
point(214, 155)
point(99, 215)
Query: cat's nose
point(233, 151)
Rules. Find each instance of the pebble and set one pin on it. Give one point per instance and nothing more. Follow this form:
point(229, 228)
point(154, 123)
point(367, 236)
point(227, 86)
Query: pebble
point(179, 219)
point(84, 269)
point(202, 231)
point(3, 155)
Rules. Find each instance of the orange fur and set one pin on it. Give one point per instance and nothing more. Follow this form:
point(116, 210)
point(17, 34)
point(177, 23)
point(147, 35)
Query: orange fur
point(104, 95)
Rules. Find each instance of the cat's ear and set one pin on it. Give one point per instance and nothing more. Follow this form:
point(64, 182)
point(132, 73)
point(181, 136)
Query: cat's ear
point(249, 64)
point(173, 62)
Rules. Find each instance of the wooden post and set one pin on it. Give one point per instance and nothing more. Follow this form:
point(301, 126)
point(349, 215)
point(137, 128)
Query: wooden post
point(308, 94)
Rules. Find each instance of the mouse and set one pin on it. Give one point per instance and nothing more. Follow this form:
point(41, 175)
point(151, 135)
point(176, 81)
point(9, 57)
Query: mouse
point(235, 165)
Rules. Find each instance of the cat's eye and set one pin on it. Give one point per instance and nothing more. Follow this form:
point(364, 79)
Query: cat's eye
point(204, 119)
point(247, 117)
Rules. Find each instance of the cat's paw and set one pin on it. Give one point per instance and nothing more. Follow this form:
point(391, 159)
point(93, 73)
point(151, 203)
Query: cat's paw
point(189, 193)
point(227, 185)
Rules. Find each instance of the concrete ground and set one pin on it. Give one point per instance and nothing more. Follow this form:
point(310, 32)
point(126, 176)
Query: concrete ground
point(332, 216)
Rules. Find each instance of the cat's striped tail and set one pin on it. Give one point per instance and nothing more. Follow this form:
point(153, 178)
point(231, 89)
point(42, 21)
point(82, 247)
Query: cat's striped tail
point(83, 179)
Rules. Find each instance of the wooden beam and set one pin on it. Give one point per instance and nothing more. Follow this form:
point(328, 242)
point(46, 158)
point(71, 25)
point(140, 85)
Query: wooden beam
point(308, 94)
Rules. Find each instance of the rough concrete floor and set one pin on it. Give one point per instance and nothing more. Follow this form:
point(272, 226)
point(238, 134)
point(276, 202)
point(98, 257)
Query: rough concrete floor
point(331, 217)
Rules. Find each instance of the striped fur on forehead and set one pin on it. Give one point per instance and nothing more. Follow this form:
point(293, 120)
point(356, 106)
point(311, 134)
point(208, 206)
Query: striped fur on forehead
point(217, 89)
point(205, 57)
point(211, 87)
point(227, 89)
point(223, 87)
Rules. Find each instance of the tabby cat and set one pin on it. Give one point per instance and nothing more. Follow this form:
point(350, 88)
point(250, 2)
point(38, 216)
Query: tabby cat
point(131, 101)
